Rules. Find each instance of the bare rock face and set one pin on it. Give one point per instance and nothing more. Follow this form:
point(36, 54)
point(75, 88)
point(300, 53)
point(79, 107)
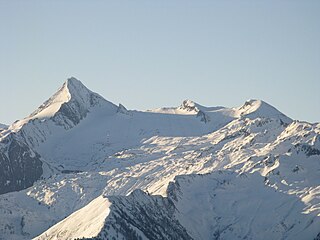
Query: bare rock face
point(203, 117)
point(20, 166)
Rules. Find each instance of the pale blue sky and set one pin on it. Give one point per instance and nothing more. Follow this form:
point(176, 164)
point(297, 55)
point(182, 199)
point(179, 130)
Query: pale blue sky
point(148, 54)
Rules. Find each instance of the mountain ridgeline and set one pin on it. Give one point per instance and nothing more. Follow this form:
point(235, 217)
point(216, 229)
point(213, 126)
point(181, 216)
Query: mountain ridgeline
point(81, 167)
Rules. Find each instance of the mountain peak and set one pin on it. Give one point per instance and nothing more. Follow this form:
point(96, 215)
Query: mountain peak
point(74, 84)
point(73, 79)
point(77, 90)
point(252, 105)
point(254, 108)
point(190, 106)
point(72, 99)
point(193, 107)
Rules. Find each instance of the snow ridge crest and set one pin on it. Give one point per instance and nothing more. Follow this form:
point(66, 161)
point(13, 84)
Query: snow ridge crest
point(70, 104)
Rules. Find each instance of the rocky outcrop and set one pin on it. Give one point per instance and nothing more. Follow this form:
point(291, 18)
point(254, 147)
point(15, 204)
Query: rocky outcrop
point(141, 216)
point(20, 166)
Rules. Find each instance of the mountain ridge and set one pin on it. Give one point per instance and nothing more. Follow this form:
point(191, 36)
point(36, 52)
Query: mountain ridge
point(73, 100)
point(186, 162)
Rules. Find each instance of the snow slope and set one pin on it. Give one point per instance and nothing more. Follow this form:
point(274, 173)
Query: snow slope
point(86, 226)
point(75, 113)
point(257, 108)
point(248, 172)
point(219, 205)
point(271, 187)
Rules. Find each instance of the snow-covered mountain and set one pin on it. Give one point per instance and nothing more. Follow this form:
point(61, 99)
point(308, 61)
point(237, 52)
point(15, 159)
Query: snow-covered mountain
point(20, 144)
point(95, 170)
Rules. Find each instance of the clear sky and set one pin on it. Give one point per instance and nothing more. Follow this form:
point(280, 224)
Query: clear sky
point(148, 54)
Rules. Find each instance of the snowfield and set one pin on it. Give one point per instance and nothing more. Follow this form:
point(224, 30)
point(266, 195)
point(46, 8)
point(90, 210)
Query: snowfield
point(190, 172)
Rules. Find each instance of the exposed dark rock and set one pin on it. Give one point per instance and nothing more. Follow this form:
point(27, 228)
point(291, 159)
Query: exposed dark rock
point(20, 166)
point(308, 149)
point(203, 117)
point(139, 215)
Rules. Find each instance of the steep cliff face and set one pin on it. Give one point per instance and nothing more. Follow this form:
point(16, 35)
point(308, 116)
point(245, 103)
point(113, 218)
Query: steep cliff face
point(20, 166)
